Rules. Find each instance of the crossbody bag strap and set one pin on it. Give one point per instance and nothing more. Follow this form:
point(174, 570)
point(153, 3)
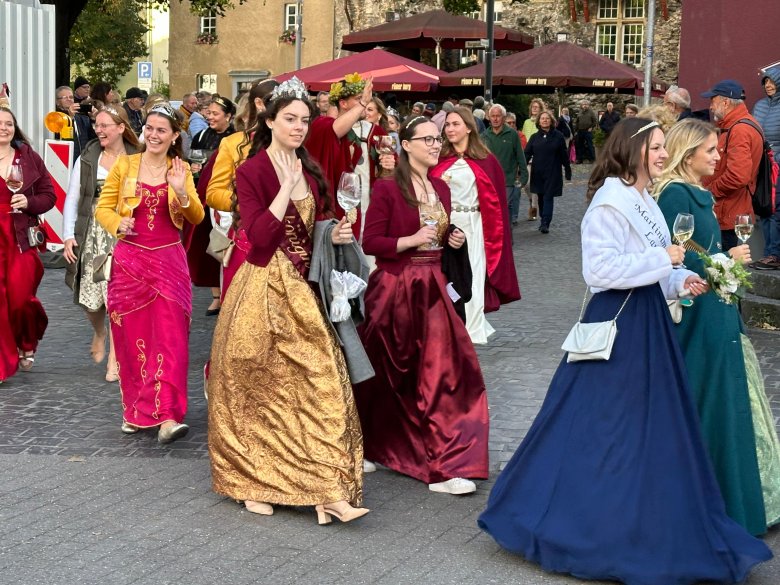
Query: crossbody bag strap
point(620, 310)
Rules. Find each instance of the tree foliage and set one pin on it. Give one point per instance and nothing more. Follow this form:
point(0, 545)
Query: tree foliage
point(461, 6)
point(107, 38)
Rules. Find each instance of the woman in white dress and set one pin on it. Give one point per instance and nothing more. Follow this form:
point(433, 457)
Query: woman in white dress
point(480, 209)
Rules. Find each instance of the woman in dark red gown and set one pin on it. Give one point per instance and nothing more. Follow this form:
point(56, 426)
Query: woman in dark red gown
point(22, 318)
point(425, 413)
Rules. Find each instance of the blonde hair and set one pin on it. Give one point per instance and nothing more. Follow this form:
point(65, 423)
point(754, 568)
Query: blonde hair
point(681, 143)
point(661, 114)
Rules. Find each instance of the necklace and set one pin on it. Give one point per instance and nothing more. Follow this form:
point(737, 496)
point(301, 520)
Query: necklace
point(421, 183)
point(106, 152)
point(155, 175)
point(151, 166)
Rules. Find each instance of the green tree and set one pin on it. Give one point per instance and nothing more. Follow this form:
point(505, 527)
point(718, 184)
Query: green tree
point(107, 38)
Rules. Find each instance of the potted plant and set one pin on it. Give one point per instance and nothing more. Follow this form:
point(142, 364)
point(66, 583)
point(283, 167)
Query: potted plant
point(599, 138)
point(288, 36)
point(206, 38)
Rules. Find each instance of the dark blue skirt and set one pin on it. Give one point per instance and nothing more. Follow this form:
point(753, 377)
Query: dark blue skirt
point(612, 480)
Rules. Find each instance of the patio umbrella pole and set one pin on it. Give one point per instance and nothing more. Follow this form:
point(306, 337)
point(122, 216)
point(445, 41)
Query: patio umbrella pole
point(650, 49)
point(438, 52)
point(490, 53)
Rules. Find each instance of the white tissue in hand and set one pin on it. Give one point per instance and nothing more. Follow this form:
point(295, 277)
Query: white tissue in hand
point(343, 286)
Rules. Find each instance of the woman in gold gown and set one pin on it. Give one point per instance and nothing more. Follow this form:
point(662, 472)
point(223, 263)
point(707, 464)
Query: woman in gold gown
point(283, 427)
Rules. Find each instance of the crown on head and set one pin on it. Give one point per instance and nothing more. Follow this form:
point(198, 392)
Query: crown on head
point(293, 87)
point(164, 109)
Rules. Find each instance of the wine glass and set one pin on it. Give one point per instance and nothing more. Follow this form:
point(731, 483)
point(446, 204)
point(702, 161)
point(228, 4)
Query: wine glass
point(682, 230)
point(15, 181)
point(197, 157)
point(349, 193)
point(743, 227)
point(430, 212)
point(387, 144)
point(132, 197)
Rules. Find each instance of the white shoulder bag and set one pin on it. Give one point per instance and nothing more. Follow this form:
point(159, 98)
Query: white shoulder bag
point(592, 341)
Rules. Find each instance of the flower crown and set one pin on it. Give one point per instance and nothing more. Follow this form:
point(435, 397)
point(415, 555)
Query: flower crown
point(293, 87)
point(352, 84)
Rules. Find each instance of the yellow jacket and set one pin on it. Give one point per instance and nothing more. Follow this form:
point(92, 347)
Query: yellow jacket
point(110, 211)
point(220, 188)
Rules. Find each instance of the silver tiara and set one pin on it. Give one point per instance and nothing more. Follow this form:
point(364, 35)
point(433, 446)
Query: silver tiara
point(293, 87)
point(163, 109)
point(393, 112)
point(647, 126)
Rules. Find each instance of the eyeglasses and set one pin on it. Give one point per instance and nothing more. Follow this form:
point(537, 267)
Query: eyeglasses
point(65, 97)
point(104, 126)
point(429, 140)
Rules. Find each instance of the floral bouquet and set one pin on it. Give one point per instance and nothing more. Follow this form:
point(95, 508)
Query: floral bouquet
point(288, 36)
point(727, 277)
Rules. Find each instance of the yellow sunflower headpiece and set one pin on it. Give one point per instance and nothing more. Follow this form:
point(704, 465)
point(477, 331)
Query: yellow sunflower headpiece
point(352, 84)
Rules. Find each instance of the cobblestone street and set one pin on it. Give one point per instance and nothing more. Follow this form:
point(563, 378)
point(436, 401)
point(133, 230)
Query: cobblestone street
point(82, 503)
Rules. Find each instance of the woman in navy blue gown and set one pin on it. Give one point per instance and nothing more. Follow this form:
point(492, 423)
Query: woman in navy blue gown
point(612, 480)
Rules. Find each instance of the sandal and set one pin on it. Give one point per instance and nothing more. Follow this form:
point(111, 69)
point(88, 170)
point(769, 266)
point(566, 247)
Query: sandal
point(26, 361)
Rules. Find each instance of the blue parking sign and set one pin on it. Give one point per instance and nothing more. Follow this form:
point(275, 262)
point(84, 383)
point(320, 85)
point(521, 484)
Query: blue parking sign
point(144, 70)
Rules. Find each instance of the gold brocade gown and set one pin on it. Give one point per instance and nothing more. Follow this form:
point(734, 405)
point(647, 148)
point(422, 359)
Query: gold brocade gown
point(283, 427)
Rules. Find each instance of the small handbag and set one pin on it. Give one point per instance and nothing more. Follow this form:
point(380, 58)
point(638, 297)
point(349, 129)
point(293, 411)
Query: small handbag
point(219, 244)
point(592, 341)
point(101, 267)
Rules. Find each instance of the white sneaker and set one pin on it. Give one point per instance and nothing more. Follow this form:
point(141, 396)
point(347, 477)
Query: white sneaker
point(456, 486)
point(368, 466)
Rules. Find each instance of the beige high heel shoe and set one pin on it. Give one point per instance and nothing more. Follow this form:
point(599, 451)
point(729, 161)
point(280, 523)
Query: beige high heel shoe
point(261, 508)
point(341, 510)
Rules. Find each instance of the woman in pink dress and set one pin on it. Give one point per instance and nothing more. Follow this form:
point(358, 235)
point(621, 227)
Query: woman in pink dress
point(425, 413)
point(144, 203)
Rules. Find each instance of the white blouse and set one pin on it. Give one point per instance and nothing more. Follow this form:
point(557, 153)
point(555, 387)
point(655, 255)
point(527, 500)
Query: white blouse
point(616, 256)
point(71, 206)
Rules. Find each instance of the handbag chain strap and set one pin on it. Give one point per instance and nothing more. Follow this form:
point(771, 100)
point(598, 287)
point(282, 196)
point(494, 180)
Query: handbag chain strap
point(620, 310)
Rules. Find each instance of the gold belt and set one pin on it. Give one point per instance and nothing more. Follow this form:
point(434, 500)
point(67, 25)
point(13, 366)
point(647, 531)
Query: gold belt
point(465, 209)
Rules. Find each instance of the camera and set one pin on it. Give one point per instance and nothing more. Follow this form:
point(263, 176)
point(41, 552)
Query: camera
point(85, 109)
point(35, 237)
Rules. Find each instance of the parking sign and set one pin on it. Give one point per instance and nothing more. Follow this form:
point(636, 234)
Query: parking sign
point(144, 70)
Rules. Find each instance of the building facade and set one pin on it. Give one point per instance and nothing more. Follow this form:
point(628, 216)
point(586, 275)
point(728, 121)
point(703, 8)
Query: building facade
point(252, 41)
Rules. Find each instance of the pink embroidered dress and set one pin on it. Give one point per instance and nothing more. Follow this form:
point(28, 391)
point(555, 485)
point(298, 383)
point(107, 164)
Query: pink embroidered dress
point(150, 304)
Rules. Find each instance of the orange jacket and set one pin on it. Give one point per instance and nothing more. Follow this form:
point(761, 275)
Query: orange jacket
point(735, 174)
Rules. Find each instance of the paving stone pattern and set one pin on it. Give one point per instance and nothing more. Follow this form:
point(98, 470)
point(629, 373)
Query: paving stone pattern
point(80, 503)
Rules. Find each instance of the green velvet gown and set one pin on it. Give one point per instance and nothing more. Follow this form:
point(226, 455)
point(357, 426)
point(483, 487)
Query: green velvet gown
point(736, 423)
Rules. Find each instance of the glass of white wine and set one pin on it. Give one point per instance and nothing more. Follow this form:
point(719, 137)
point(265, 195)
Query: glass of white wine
point(743, 227)
point(131, 197)
point(682, 230)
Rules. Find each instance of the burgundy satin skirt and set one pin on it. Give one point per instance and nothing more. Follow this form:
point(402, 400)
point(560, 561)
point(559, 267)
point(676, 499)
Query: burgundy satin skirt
point(425, 412)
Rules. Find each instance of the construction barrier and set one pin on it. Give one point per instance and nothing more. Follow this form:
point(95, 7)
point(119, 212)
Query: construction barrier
point(58, 158)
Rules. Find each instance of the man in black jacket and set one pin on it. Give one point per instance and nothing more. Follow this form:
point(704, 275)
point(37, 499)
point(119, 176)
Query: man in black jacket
point(134, 101)
point(609, 119)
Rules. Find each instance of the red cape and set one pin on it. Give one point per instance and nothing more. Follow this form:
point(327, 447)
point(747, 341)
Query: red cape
point(335, 157)
point(501, 284)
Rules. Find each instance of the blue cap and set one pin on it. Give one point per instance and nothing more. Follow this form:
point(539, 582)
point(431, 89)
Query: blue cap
point(727, 88)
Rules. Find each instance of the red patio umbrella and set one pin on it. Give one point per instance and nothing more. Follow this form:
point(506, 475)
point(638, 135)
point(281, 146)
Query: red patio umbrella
point(437, 29)
point(390, 72)
point(558, 65)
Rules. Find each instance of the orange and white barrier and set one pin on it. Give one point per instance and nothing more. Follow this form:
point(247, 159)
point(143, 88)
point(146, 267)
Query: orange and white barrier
point(58, 158)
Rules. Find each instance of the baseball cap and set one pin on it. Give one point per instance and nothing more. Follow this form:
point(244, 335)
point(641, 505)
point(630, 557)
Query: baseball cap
point(727, 88)
point(431, 107)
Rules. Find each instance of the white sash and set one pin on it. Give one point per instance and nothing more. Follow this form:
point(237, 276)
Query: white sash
point(642, 213)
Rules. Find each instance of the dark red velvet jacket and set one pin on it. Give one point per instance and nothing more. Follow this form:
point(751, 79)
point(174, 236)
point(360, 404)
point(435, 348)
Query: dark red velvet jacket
point(501, 284)
point(390, 217)
point(256, 187)
point(39, 190)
